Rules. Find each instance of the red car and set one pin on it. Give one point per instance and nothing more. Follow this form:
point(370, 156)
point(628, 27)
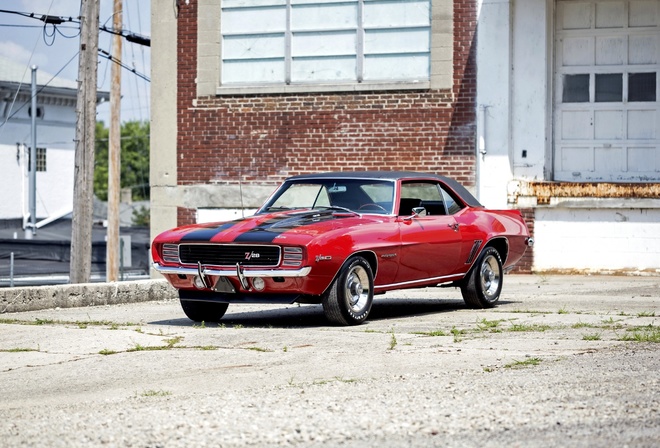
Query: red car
point(340, 238)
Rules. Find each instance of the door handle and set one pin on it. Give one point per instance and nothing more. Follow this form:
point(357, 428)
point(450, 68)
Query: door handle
point(454, 226)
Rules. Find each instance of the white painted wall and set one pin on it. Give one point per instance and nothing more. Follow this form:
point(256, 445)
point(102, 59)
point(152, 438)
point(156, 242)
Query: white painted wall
point(514, 108)
point(54, 186)
point(493, 102)
point(597, 240)
point(530, 93)
point(55, 132)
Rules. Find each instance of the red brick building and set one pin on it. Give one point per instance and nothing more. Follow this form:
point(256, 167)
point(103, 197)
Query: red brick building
point(227, 135)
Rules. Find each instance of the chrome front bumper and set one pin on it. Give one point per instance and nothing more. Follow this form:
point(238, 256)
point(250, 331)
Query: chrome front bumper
point(302, 272)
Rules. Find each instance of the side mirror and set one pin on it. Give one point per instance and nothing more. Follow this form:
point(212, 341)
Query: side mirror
point(419, 211)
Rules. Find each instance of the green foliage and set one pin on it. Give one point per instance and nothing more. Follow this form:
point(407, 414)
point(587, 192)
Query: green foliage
point(134, 159)
point(141, 216)
point(521, 364)
point(393, 341)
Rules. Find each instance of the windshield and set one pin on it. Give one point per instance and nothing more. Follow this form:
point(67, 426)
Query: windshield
point(357, 195)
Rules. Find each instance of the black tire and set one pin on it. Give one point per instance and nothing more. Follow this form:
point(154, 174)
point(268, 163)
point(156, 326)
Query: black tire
point(483, 285)
point(204, 311)
point(349, 298)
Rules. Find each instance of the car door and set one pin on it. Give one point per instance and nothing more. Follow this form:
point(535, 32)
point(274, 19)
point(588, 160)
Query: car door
point(431, 244)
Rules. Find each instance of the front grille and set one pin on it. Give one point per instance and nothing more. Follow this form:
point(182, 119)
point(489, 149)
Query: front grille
point(229, 254)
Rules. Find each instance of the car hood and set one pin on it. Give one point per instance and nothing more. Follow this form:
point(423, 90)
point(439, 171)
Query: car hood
point(299, 227)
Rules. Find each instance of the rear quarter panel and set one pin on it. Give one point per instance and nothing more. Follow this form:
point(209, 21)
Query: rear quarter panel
point(487, 225)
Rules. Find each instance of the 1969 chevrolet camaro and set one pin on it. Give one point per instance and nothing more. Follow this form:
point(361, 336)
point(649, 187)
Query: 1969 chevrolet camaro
point(340, 238)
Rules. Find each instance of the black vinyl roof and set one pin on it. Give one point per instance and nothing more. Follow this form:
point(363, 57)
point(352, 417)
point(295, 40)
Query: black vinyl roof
point(394, 175)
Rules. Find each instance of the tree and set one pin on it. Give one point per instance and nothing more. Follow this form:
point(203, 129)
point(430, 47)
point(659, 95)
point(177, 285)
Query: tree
point(134, 159)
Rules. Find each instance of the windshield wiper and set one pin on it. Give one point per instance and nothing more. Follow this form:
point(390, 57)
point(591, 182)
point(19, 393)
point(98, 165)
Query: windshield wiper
point(336, 207)
point(279, 208)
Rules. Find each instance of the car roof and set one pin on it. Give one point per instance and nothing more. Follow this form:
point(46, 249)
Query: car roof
point(393, 175)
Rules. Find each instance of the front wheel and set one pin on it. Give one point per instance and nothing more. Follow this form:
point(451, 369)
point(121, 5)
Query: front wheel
point(348, 301)
point(483, 284)
point(204, 311)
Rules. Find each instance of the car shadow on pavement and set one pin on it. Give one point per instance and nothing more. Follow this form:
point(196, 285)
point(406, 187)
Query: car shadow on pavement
point(311, 316)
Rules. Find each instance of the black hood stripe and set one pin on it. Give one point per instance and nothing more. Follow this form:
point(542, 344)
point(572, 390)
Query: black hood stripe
point(264, 232)
point(267, 231)
point(207, 233)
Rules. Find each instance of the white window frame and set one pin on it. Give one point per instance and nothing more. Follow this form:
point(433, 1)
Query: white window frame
point(209, 62)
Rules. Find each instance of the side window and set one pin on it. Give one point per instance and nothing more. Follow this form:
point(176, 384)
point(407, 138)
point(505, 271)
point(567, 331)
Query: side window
point(421, 194)
point(424, 191)
point(452, 205)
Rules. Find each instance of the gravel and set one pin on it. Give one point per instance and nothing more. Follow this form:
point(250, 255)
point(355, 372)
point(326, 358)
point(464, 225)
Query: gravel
point(420, 373)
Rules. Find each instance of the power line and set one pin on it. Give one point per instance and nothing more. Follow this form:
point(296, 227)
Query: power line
point(45, 18)
point(58, 20)
point(108, 56)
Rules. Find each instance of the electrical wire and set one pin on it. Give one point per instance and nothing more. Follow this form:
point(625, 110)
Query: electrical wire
point(108, 56)
point(18, 89)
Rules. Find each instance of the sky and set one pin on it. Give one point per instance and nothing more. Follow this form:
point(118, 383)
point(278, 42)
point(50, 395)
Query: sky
point(25, 40)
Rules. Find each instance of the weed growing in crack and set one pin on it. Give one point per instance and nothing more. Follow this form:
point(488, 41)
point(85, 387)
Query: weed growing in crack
point(393, 341)
point(591, 337)
point(522, 364)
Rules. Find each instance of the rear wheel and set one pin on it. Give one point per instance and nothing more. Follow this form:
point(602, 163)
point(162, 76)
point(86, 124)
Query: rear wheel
point(348, 301)
point(483, 284)
point(204, 311)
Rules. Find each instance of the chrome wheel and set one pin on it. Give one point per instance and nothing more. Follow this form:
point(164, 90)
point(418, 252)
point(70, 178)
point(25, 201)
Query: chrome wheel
point(491, 276)
point(348, 299)
point(357, 289)
point(482, 286)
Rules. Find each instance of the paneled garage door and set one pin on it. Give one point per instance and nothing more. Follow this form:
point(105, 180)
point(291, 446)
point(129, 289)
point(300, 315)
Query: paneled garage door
point(606, 117)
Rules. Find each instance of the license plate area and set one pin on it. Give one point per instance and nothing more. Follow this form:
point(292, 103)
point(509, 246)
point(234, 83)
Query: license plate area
point(222, 284)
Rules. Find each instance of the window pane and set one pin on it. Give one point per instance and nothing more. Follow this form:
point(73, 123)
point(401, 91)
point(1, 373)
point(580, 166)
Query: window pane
point(316, 69)
point(253, 46)
point(450, 203)
point(423, 191)
point(337, 43)
point(395, 40)
point(641, 87)
point(396, 13)
point(253, 20)
point(396, 67)
point(576, 89)
point(253, 71)
point(609, 87)
point(339, 16)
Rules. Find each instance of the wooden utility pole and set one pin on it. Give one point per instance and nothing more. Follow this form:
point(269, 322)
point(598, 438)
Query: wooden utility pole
point(83, 189)
point(114, 150)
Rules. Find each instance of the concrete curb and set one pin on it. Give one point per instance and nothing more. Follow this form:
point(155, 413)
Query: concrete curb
point(33, 298)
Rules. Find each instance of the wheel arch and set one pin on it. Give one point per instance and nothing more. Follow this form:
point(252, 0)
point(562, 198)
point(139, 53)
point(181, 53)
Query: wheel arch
point(368, 255)
point(501, 245)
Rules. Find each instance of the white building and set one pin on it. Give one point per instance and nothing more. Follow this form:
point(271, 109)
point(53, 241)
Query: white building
point(56, 120)
point(569, 127)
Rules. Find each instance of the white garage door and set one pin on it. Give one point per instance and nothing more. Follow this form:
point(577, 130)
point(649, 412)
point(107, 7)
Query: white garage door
point(606, 116)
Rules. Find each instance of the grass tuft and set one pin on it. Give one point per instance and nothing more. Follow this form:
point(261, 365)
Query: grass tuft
point(393, 341)
point(522, 364)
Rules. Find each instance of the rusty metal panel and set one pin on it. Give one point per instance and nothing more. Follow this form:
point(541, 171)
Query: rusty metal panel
point(543, 191)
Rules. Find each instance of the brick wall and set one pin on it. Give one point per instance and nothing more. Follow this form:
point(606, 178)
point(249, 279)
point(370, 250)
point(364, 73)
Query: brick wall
point(185, 216)
point(526, 263)
point(265, 138)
